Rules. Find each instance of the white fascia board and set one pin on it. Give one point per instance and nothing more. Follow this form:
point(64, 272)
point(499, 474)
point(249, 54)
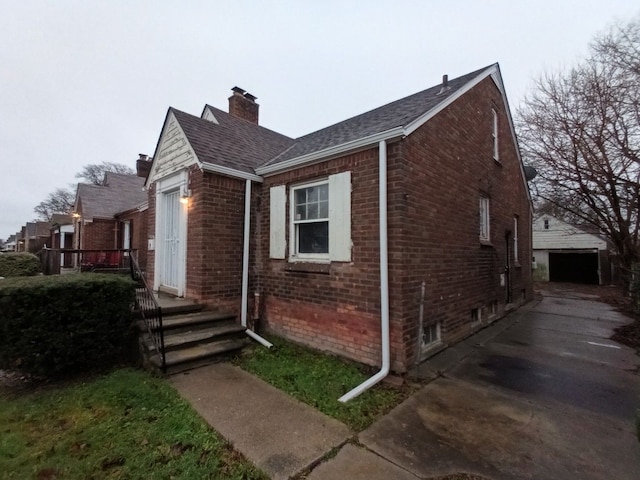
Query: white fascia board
point(210, 167)
point(497, 79)
point(425, 117)
point(144, 206)
point(331, 152)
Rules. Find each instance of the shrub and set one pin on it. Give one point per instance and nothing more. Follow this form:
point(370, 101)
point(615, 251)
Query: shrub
point(19, 265)
point(58, 325)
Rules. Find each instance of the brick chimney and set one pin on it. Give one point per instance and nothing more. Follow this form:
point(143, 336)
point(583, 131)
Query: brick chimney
point(243, 105)
point(143, 165)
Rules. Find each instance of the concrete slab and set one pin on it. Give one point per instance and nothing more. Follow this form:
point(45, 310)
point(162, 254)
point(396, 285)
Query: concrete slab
point(277, 433)
point(548, 397)
point(357, 463)
point(452, 426)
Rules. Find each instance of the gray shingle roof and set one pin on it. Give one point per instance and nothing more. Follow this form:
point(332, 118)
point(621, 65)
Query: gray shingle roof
point(243, 146)
point(119, 193)
point(232, 142)
point(395, 114)
point(61, 219)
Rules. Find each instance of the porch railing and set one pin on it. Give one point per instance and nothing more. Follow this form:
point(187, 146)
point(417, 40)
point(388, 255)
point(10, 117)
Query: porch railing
point(107, 260)
point(150, 311)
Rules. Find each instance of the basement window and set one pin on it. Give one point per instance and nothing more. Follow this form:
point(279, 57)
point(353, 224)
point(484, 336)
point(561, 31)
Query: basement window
point(476, 316)
point(430, 335)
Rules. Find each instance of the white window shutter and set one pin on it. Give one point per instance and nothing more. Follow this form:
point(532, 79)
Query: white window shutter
point(277, 222)
point(340, 217)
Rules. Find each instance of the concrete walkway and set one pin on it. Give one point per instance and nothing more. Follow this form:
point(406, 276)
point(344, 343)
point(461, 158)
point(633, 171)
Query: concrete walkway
point(277, 433)
point(540, 394)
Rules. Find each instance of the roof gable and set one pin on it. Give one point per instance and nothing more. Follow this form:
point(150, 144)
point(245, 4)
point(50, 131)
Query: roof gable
point(173, 152)
point(561, 234)
point(217, 142)
point(120, 192)
point(395, 119)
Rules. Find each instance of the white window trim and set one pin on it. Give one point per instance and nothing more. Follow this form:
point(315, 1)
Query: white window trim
point(485, 219)
point(494, 135)
point(293, 237)
point(340, 244)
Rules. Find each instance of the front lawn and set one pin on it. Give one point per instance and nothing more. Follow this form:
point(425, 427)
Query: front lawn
point(123, 425)
point(318, 379)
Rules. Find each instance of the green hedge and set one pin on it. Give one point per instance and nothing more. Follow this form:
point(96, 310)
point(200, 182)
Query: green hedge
point(19, 264)
point(59, 325)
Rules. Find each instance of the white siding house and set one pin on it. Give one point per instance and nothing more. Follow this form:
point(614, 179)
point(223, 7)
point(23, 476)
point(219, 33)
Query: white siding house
point(565, 253)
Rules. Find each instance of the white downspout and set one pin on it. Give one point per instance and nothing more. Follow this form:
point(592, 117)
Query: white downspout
point(384, 281)
point(245, 267)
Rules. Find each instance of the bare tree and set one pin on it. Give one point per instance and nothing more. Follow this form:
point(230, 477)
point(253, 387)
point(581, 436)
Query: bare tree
point(581, 130)
point(94, 173)
point(60, 201)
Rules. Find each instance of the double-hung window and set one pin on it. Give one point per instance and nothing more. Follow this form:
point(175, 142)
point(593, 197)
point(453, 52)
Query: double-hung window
point(485, 234)
point(310, 214)
point(319, 220)
point(494, 135)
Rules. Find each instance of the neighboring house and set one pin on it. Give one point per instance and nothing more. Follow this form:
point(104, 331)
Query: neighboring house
point(34, 236)
point(112, 215)
point(10, 244)
point(566, 253)
point(338, 229)
point(20, 240)
point(61, 237)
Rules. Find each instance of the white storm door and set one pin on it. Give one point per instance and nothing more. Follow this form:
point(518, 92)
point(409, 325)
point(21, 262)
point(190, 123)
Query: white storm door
point(171, 240)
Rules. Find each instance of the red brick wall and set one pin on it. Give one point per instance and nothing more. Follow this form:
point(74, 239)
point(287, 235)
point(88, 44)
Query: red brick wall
point(215, 240)
point(139, 233)
point(99, 235)
point(338, 310)
point(435, 178)
point(449, 165)
point(215, 223)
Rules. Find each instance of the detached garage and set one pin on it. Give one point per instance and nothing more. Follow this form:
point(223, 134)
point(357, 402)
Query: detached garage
point(565, 253)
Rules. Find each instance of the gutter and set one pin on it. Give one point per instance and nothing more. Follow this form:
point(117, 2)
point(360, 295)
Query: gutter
point(384, 281)
point(231, 172)
point(245, 267)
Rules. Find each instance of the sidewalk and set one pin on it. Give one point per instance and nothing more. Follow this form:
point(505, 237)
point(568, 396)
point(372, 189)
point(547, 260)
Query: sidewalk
point(277, 433)
point(283, 436)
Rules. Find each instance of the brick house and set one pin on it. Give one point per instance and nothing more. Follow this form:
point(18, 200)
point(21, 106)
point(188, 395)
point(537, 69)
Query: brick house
point(61, 237)
point(112, 215)
point(331, 236)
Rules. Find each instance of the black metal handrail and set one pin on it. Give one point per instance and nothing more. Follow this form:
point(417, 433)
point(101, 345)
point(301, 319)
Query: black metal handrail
point(150, 311)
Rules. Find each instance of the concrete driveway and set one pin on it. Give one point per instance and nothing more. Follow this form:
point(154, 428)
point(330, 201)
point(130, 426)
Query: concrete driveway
point(542, 394)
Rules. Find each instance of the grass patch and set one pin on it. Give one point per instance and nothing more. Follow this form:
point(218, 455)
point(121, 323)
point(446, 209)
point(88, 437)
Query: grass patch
point(123, 425)
point(318, 379)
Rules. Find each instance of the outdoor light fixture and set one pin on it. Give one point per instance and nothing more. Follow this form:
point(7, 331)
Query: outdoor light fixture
point(184, 196)
point(75, 215)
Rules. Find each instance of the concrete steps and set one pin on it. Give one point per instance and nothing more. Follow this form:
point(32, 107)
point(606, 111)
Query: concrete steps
point(192, 338)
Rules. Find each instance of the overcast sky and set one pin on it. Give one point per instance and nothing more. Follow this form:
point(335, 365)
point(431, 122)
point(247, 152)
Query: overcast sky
point(90, 81)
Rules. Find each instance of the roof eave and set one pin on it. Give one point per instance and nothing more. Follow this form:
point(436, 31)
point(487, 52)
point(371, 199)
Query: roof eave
point(230, 172)
point(331, 152)
point(429, 114)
